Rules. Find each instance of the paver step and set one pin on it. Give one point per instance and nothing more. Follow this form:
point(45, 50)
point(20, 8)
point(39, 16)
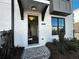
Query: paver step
point(41, 52)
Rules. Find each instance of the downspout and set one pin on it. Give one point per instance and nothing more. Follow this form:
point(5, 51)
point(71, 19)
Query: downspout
point(12, 21)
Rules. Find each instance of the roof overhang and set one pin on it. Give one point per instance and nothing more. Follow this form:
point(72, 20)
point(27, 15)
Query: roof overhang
point(25, 5)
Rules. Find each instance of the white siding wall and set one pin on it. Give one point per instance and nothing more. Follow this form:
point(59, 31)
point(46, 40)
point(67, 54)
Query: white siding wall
point(20, 27)
point(45, 31)
point(69, 26)
point(5, 15)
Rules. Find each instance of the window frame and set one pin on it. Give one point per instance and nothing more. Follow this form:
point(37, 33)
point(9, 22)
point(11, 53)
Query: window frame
point(58, 25)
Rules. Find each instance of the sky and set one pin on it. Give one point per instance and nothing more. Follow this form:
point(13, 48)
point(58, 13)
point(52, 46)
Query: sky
point(75, 4)
point(75, 7)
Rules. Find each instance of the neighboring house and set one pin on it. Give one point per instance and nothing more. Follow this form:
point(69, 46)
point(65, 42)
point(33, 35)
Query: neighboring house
point(37, 22)
point(76, 26)
point(5, 15)
point(76, 23)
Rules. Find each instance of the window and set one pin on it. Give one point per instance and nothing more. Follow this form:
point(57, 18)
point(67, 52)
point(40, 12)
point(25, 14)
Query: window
point(58, 25)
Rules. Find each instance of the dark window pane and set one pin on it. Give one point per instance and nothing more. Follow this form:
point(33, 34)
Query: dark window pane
point(61, 22)
point(54, 30)
point(54, 21)
point(58, 25)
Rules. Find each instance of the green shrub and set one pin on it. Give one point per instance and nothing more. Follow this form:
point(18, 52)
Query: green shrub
point(71, 46)
point(64, 44)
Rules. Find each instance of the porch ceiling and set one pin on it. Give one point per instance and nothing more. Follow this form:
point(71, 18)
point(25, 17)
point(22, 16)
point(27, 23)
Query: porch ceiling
point(27, 4)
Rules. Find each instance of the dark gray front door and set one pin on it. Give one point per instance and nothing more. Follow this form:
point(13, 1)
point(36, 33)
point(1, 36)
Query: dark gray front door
point(32, 29)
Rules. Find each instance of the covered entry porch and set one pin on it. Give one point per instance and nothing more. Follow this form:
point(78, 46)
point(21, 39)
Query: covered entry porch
point(31, 14)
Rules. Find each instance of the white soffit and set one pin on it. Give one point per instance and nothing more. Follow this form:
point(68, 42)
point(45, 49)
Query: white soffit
point(27, 4)
point(43, 1)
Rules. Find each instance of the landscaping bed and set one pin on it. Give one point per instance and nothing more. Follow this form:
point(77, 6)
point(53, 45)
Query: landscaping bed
point(11, 53)
point(56, 54)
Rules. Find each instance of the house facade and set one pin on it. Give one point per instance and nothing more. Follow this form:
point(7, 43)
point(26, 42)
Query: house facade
point(37, 22)
point(76, 32)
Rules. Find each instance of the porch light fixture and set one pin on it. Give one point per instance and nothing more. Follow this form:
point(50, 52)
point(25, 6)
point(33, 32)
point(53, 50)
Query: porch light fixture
point(31, 18)
point(33, 8)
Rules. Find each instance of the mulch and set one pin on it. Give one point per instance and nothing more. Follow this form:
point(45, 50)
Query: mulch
point(55, 54)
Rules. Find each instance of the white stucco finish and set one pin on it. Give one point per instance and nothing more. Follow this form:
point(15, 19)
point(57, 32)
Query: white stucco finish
point(69, 26)
point(19, 28)
point(5, 15)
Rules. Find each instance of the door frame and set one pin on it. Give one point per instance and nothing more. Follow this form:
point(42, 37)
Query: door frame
point(37, 29)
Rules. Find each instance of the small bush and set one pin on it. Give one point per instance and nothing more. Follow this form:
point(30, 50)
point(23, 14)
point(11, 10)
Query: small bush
point(66, 45)
point(73, 39)
point(71, 46)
